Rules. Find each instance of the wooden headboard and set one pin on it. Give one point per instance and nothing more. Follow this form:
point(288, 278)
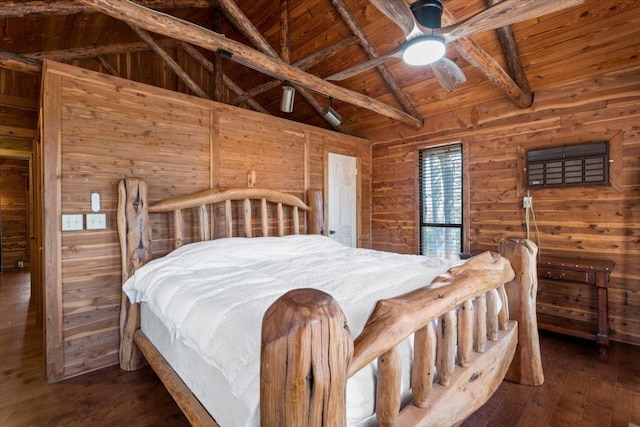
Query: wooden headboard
point(134, 227)
point(134, 232)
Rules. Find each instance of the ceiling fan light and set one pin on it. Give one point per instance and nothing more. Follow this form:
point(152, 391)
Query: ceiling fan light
point(424, 50)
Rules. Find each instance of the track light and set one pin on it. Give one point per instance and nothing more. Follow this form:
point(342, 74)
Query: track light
point(288, 95)
point(332, 115)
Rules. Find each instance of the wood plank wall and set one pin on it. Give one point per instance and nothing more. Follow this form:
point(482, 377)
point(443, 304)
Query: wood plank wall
point(590, 222)
point(98, 129)
point(14, 181)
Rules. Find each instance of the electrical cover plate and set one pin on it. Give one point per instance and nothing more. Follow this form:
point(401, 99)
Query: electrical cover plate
point(71, 222)
point(96, 221)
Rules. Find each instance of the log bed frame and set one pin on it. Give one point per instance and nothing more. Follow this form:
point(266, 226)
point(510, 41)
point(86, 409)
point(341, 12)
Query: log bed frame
point(457, 365)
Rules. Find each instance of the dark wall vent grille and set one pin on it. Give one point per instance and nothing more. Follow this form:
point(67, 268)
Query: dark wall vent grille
point(570, 165)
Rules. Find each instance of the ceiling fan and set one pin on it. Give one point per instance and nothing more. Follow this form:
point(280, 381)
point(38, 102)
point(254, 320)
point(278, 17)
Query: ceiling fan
point(426, 38)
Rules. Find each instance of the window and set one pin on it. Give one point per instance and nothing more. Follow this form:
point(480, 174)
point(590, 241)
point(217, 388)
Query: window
point(569, 165)
point(441, 201)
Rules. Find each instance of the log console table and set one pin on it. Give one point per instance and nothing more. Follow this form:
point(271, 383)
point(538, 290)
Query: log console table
point(560, 271)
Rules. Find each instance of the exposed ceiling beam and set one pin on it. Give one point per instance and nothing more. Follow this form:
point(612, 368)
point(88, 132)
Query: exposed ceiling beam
point(285, 35)
point(210, 66)
point(391, 83)
point(170, 26)
point(511, 52)
point(303, 64)
point(14, 62)
point(182, 75)
point(107, 66)
point(93, 51)
point(21, 9)
point(487, 65)
point(244, 25)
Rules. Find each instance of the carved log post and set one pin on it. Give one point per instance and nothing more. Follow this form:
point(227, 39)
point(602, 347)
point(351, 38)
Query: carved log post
point(526, 367)
point(306, 349)
point(134, 231)
point(316, 216)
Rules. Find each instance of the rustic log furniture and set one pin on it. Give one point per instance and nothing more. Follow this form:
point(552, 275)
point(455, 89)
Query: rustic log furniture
point(468, 335)
point(553, 270)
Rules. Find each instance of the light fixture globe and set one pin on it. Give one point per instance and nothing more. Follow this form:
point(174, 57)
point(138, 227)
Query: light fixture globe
point(424, 50)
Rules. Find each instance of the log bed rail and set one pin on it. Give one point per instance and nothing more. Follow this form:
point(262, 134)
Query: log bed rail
point(472, 327)
point(461, 340)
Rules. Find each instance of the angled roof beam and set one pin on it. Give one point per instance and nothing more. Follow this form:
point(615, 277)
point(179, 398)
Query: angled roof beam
point(244, 25)
point(210, 66)
point(107, 66)
point(182, 75)
point(170, 26)
point(511, 52)
point(395, 89)
point(21, 9)
point(303, 64)
point(487, 65)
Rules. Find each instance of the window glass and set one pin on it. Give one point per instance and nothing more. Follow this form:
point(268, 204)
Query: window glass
point(441, 201)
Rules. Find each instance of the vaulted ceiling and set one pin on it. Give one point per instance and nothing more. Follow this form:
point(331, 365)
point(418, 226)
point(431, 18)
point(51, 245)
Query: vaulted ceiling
point(320, 38)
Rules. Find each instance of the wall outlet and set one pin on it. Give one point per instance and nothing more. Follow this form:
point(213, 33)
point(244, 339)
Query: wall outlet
point(96, 221)
point(20, 264)
point(527, 202)
point(72, 222)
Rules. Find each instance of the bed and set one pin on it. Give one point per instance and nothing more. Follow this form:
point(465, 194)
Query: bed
point(285, 330)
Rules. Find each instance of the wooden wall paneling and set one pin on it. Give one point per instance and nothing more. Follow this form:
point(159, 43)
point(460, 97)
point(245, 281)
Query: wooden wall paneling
point(99, 128)
point(580, 221)
point(110, 131)
point(51, 135)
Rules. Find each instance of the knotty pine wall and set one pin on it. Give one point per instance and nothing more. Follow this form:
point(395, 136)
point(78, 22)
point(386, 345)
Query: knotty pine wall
point(98, 129)
point(580, 221)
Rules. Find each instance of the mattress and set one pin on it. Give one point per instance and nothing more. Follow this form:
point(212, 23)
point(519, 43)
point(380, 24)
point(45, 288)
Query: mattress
point(204, 303)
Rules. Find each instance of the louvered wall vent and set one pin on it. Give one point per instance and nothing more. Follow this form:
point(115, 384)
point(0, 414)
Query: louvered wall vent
point(569, 165)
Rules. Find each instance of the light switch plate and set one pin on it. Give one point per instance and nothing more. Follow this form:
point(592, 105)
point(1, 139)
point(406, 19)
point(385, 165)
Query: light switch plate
point(96, 221)
point(71, 222)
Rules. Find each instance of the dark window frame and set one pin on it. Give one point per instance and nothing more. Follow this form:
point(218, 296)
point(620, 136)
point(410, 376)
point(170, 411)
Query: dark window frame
point(457, 150)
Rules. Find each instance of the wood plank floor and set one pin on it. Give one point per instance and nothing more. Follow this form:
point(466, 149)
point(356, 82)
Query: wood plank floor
point(581, 388)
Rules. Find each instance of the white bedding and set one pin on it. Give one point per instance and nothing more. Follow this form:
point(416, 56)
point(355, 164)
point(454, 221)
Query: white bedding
point(212, 296)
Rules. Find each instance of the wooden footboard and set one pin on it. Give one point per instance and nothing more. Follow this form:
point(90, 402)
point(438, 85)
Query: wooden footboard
point(463, 346)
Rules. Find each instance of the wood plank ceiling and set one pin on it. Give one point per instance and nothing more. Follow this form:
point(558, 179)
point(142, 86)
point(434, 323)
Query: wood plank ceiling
point(320, 38)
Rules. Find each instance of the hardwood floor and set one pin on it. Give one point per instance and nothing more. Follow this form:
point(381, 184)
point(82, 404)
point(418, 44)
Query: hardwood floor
point(581, 387)
point(109, 397)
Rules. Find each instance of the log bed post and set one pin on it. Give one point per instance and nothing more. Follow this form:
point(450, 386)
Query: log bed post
point(135, 230)
point(303, 379)
point(526, 367)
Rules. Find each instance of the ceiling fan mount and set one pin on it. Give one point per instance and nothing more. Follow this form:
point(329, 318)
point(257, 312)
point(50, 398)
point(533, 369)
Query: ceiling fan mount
point(428, 13)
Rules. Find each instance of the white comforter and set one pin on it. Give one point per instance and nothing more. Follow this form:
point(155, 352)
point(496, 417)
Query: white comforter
point(212, 296)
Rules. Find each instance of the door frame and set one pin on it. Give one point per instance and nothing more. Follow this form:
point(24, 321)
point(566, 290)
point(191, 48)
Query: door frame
point(325, 191)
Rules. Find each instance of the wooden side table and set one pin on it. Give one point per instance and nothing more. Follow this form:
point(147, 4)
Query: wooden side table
point(594, 272)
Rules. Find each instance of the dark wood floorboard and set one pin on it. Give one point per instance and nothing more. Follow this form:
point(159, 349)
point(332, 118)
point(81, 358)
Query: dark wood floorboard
point(582, 388)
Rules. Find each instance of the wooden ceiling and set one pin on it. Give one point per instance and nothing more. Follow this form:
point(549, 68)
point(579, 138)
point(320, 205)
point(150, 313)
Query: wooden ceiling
point(323, 37)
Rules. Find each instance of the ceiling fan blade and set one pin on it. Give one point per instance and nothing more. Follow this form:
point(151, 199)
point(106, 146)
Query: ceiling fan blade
point(448, 74)
point(502, 14)
point(395, 53)
point(398, 12)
